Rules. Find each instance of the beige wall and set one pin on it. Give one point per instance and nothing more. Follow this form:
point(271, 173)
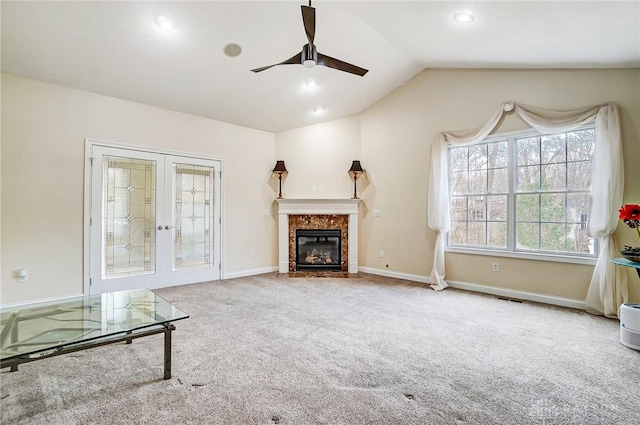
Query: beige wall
point(43, 132)
point(44, 127)
point(396, 135)
point(319, 157)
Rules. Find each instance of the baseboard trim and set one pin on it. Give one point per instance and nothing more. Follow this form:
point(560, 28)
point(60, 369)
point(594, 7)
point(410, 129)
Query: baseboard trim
point(245, 273)
point(40, 300)
point(520, 295)
point(492, 290)
point(396, 275)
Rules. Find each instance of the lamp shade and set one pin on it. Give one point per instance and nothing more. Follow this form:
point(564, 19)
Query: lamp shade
point(356, 167)
point(280, 168)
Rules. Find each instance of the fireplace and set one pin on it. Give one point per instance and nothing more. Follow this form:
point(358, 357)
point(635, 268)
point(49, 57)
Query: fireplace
point(318, 214)
point(318, 249)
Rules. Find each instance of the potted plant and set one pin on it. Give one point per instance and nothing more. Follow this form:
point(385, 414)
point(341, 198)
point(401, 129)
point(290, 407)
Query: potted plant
point(630, 215)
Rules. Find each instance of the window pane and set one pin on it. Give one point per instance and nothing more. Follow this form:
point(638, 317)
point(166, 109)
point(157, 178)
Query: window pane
point(459, 182)
point(497, 237)
point(497, 208)
point(552, 208)
point(497, 181)
point(528, 151)
point(527, 208)
point(478, 181)
point(498, 155)
point(458, 159)
point(477, 233)
point(579, 175)
point(552, 236)
point(528, 236)
point(580, 145)
point(458, 234)
point(477, 208)
point(554, 177)
point(528, 178)
point(458, 207)
point(578, 240)
point(478, 157)
point(578, 208)
point(553, 148)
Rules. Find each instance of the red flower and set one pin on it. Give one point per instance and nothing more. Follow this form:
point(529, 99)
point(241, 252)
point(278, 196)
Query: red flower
point(630, 212)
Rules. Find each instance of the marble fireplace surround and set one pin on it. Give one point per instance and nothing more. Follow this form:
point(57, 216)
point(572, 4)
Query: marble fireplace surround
point(317, 207)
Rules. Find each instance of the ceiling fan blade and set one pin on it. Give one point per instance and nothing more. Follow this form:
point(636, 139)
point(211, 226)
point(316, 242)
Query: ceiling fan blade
point(309, 20)
point(340, 65)
point(293, 60)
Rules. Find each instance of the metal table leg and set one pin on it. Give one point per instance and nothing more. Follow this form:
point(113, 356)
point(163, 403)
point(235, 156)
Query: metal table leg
point(167, 350)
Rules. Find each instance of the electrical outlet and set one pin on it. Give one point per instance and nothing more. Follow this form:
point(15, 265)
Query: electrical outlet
point(269, 211)
point(23, 276)
point(381, 254)
point(495, 267)
point(376, 213)
point(252, 253)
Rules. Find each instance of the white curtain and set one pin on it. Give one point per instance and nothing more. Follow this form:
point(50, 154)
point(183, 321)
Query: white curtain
point(608, 288)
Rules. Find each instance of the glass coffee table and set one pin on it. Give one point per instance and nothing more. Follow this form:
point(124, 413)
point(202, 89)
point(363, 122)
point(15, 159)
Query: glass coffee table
point(38, 331)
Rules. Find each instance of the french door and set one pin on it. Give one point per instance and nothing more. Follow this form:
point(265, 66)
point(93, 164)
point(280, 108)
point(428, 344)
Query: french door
point(154, 219)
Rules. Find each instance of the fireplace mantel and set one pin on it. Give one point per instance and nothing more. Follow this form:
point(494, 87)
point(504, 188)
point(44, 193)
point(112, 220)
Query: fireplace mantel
point(288, 207)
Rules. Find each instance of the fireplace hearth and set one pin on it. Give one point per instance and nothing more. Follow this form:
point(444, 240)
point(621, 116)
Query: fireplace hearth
point(318, 249)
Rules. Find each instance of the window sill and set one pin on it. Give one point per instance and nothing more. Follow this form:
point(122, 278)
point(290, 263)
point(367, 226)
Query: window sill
point(591, 261)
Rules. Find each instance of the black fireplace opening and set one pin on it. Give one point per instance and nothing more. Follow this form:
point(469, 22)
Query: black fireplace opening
point(318, 249)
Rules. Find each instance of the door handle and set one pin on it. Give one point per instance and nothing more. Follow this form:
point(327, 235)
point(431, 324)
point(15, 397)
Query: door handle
point(167, 227)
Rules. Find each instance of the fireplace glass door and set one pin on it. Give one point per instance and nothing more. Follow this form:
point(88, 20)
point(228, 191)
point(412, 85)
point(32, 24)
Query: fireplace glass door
point(318, 249)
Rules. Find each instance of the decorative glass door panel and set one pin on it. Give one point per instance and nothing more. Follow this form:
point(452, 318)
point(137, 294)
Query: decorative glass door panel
point(128, 220)
point(192, 216)
point(154, 220)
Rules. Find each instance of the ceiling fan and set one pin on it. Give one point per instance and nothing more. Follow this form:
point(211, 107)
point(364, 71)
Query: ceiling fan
point(309, 56)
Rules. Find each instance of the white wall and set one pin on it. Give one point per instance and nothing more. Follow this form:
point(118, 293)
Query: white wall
point(43, 131)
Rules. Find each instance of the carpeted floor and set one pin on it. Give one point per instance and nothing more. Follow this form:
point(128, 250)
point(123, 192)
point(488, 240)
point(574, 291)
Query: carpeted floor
point(368, 350)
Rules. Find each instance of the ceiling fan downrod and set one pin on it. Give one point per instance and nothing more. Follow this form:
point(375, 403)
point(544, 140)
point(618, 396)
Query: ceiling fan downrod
point(309, 56)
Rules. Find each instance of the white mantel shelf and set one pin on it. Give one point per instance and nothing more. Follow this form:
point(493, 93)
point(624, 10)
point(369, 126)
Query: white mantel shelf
point(288, 207)
point(318, 206)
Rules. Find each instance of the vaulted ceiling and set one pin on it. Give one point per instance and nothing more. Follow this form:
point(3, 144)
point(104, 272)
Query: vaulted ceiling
point(117, 49)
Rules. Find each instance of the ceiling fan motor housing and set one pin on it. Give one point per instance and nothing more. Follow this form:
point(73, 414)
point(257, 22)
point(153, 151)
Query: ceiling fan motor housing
point(309, 55)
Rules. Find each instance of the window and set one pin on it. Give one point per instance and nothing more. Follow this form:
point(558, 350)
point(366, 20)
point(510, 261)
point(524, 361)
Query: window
point(526, 193)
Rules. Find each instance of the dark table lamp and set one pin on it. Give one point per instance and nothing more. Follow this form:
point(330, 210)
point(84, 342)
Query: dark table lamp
point(356, 169)
point(280, 169)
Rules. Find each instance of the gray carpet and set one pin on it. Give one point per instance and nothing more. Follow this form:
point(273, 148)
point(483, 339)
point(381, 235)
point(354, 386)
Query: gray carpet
point(371, 350)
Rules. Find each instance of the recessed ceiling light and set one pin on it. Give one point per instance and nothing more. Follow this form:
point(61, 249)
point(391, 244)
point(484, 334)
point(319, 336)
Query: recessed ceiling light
point(464, 17)
point(319, 111)
point(232, 50)
point(164, 23)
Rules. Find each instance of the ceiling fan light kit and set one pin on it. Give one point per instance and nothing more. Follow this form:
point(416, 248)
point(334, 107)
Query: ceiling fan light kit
point(309, 56)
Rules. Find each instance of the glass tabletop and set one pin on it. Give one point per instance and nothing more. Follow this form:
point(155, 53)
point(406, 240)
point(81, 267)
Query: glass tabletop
point(39, 327)
point(626, 263)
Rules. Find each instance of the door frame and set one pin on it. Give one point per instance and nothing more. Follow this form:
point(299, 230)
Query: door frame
point(88, 149)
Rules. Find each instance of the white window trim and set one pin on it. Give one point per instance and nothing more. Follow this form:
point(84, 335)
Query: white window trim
point(510, 250)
